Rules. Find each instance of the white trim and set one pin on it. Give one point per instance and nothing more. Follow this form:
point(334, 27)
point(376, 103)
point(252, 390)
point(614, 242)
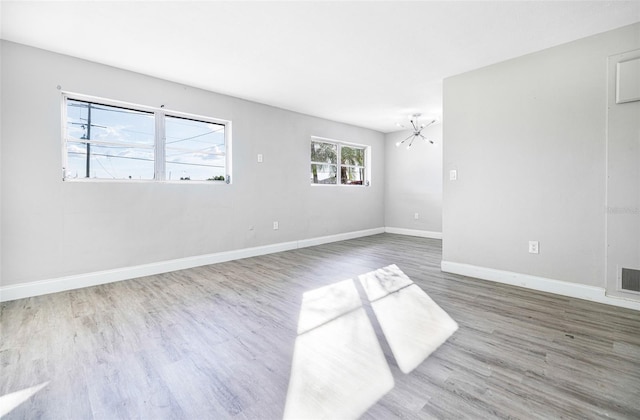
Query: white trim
point(337, 141)
point(60, 284)
point(160, 146)
point(339, 237)
point(414, 232)
point(564, 288)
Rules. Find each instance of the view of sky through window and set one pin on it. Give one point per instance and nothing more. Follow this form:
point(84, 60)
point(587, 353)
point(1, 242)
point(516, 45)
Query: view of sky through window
point(194, 149)
point(121, 142)
point(110, 142)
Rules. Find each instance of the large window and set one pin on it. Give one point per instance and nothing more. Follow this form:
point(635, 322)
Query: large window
point(338, 163)
point(109, 140)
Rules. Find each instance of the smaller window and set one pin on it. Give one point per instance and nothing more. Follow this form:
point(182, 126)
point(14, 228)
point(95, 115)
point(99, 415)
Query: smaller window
point(337, 163)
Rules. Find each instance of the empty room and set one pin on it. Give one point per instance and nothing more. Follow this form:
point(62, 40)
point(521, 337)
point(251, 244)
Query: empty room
point(320, 209)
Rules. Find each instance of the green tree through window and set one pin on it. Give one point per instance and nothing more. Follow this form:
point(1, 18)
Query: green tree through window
point(337, 163)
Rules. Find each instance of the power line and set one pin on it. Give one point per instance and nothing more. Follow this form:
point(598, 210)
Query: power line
point(189, 138)
point(112, 156)
point(105, 169)
point(147, 160)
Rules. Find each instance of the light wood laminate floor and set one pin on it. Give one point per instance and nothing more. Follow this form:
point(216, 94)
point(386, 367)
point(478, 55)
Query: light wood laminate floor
point(217, 342)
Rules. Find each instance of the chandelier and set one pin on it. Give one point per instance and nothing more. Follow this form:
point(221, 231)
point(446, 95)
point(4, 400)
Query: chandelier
point(417, 130)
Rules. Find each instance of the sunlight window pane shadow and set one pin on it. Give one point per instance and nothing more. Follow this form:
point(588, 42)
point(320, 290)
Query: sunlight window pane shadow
point(338, 368)
point(378, 284)
point(413, 324)
point(321, 305)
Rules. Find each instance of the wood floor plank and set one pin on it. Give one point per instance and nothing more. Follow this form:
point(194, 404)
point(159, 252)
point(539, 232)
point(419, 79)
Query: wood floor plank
point(218, 342)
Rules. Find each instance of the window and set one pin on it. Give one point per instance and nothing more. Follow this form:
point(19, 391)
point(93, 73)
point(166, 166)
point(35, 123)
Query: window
point(194, 149)
point(338, 163)
point(352, 165)
point(324, 163)
point(109, 140)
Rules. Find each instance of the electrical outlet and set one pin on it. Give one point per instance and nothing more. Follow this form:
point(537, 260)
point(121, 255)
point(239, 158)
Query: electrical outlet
point(534, 247)
point(276, 226)
point(416, 216)
point(259, 157)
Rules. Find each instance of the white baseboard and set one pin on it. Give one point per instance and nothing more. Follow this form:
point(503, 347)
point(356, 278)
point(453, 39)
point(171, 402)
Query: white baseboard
point(414, 232)
point(574, 290)
point(303, 243)
point(61, 284)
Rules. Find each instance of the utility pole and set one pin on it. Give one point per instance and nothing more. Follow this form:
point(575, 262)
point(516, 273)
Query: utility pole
point(88, 139)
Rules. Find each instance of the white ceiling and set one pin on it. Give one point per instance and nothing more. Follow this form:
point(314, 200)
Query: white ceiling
point(364, 63)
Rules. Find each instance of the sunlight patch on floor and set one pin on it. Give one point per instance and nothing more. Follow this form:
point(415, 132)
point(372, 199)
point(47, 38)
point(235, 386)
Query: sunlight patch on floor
point(10, 401)
point(413, 324)
point(322, 305)
point(339, 369)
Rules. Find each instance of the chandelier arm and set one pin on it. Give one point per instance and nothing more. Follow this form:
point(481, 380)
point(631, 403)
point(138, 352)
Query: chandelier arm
point(426, 139)
point(400, 142)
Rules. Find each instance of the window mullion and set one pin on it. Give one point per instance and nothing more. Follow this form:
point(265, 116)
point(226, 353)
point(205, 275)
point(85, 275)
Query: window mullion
point(339, 166)
point(159, 152)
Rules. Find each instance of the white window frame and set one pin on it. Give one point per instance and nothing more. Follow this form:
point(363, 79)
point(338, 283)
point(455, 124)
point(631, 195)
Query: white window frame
point(159, 139)
point(367, 162)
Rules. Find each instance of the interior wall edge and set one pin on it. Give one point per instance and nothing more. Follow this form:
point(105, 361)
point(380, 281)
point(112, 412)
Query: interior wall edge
point(414, 232)
point(61, 284)
point(558, 287)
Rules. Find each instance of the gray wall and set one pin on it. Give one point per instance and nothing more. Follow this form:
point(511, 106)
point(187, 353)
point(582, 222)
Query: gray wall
point(52, 228)
point(528, 138)
point(413, 182)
